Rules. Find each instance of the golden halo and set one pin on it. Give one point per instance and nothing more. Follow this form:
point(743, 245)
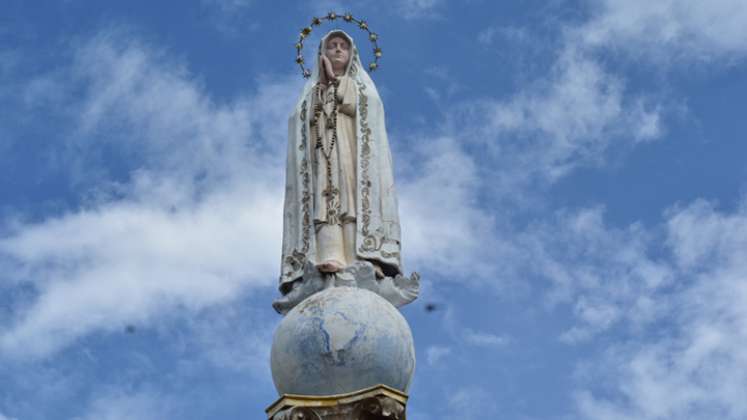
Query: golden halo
point(331, 16)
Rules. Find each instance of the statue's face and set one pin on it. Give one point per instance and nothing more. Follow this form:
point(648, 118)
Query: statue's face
point(338, 52)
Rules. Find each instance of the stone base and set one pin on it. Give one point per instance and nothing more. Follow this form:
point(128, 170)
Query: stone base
point(379, 402)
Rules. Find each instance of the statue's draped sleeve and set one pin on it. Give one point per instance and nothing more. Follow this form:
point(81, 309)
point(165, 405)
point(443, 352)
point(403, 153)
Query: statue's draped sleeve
point(346, 96)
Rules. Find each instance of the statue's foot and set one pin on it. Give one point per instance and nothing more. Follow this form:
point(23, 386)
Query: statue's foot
point(379, 272)
point(330, 266)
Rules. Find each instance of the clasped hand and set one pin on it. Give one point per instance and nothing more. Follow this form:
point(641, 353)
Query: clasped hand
point(327, 74)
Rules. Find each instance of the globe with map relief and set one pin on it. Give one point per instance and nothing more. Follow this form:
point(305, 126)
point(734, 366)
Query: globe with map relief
point(340, 340)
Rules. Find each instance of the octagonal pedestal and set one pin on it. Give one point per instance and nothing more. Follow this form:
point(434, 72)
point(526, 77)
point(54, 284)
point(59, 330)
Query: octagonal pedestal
point(375, 403)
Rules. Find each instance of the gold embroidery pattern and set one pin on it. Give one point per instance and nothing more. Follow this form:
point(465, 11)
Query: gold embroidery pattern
point(306, 178)
point(370, 241)
point(297, 259)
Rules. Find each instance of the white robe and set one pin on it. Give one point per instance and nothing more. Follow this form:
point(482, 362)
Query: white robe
point(334, 170)
point(362, 172)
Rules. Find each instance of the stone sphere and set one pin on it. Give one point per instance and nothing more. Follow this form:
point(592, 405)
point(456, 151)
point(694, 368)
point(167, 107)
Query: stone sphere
point(341, 340)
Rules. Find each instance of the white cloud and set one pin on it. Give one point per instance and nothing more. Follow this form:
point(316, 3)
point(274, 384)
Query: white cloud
point(486, 35)
point(434, 354)
point(231, 18)
point(484, 339)
point(681, 323)
point(696, 368)
point(408, 9)
point(418, 8)
point(197, 221)
point(118, 405)
point(606, 273)
point(575, 115)
point(443, 226)
point(471, 403)
point(235, 338)
point(570, 119)
point(463, 337)
point(690, 29)
point(228, 6)
point(609, 276)
point(512, 34)
point(152, 109)
point(582, 109)
point(126, 261)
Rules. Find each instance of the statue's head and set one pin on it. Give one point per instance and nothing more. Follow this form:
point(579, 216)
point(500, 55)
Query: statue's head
point(338, 49)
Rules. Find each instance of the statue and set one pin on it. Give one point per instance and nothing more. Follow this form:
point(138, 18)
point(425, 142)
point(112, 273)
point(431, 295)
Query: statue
point(343, 350)
point(340, 218)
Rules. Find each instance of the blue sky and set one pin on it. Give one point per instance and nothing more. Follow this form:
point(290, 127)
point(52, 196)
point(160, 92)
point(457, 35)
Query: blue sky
point(572, 189)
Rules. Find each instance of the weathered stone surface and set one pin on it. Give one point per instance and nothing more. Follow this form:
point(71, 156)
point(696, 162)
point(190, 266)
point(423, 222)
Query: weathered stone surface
point(341, 340)
point(398, 290)
point(374, 403)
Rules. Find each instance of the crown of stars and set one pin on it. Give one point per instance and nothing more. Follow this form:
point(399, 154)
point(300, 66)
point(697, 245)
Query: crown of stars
point(332, 16)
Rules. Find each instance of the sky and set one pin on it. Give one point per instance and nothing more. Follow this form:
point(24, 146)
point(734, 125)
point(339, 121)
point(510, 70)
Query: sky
point(572, 187)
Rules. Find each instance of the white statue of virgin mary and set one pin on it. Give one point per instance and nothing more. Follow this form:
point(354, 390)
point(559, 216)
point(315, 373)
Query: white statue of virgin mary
point(340, 203)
